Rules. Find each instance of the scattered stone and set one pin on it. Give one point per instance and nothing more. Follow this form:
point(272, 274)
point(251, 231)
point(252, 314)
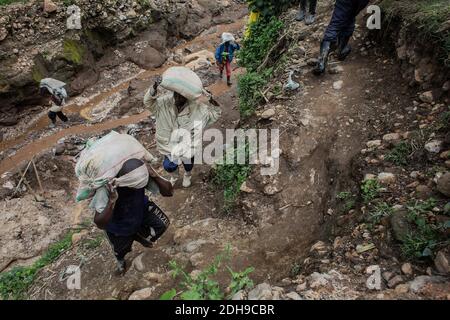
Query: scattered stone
point(293, 296)
point(238, 295)
point(245, 188)
point(395, 281)
point(423, 192)
point(301, 287)
point(363, 248)
point(8, 185)
point(387, 275)
point(373, 144)
point(391, 137)
point(443, 184)
point(407, 269)
point(386, 178)
point(319, 246)
point(50, 6)
point(338, 85)
point(421, 281)
point(156, 277)
point(400, 224)
point(269, 113)
point(434, 146)
point(402, 288)
point(318, 280)
point(59, 149)
point(261, 292)
point(76, 237)
point(442, 262)
point(196, 259)
point(369, 176)
point(137, 263)
point(336, 69)
point(427, 97)
point(312, 62)
point(143, 294)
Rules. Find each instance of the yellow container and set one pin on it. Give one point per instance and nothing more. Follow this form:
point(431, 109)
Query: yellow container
point(254, 17)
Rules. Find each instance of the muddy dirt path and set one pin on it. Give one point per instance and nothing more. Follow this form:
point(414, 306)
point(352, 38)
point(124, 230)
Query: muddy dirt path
point(31, 148)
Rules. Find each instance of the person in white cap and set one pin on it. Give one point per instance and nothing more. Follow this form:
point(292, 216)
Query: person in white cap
point(54, 89)
point(225, 53)
point(178, 111)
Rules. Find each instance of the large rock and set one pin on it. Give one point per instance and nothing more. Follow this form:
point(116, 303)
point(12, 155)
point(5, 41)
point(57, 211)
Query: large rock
point(148, 58)
point(143, 294)
point(427, 97)
point(434, 146)
point(50, 6)
point(262, 291)
point(400, 225)
point(442, 262)
point(443, 184)
point(386, 178)
point(420, 282)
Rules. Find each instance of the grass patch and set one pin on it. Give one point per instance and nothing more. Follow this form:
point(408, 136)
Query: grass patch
point(73, 51)
point(381, 210)
point(427, 236)
point(230, 177)
point(204, 286)
point(250, 86)
point(6, 2)
point(370, 190)
point(348, 199)
point(399, 155)
point(428, 17)
point(90, 244)
point(15, 283)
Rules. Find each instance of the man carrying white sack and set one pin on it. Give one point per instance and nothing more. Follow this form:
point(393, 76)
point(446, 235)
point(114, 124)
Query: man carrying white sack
point(177, 113)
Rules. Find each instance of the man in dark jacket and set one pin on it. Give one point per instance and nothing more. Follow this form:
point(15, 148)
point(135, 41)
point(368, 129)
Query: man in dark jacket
point(339, 31)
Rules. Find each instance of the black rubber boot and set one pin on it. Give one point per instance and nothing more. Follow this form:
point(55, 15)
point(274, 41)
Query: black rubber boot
point(325, 49)
point(344, 48)
point(229, 81)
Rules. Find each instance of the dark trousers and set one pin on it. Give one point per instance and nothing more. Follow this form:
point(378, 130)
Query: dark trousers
point(152, 227)
point(52, 115)
point(173, 166)
point(312, 5)
point(342, 22)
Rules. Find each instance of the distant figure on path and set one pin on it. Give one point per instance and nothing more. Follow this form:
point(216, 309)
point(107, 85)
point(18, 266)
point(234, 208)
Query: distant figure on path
point(54, 89)
point(311, 17)
point(225, 53)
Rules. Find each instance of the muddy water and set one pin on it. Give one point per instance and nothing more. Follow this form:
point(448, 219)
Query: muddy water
point(202, 42)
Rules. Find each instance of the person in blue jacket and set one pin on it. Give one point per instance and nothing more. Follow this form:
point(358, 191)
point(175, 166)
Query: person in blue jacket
point(225, 53)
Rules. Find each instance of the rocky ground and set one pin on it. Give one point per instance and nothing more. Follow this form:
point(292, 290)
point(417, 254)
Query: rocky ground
point(362, 154)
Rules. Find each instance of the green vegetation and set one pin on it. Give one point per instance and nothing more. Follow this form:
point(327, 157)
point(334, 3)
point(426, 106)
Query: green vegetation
point(268, 8)
point(426, 236)
point(400, 154)
point(381, 210)
point(203, 286)
point(370, 190)
point(349, 200)
point(73, 51)
point(15, 283)
point(427, 18)
point(231, 177)
point(92, 243)
point(6, 2)
point(264, 34)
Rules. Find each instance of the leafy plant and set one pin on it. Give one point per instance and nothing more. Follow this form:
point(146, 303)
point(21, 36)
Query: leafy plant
point(15, 283)
point(231, 177)
point(426, 237)
point(370, 189)
point(203, 286)
point(268, 8)
point(93, 243)
point(349, 200)
point(381, 210)
point(399, 155)
point(250, 86)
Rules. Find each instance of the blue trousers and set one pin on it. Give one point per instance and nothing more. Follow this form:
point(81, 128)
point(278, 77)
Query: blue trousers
point(170, 166)
point(342, 22)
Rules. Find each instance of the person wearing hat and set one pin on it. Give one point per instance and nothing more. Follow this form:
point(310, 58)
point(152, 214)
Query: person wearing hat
point(54, 90)
point(225, 53)
point(178, 112)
